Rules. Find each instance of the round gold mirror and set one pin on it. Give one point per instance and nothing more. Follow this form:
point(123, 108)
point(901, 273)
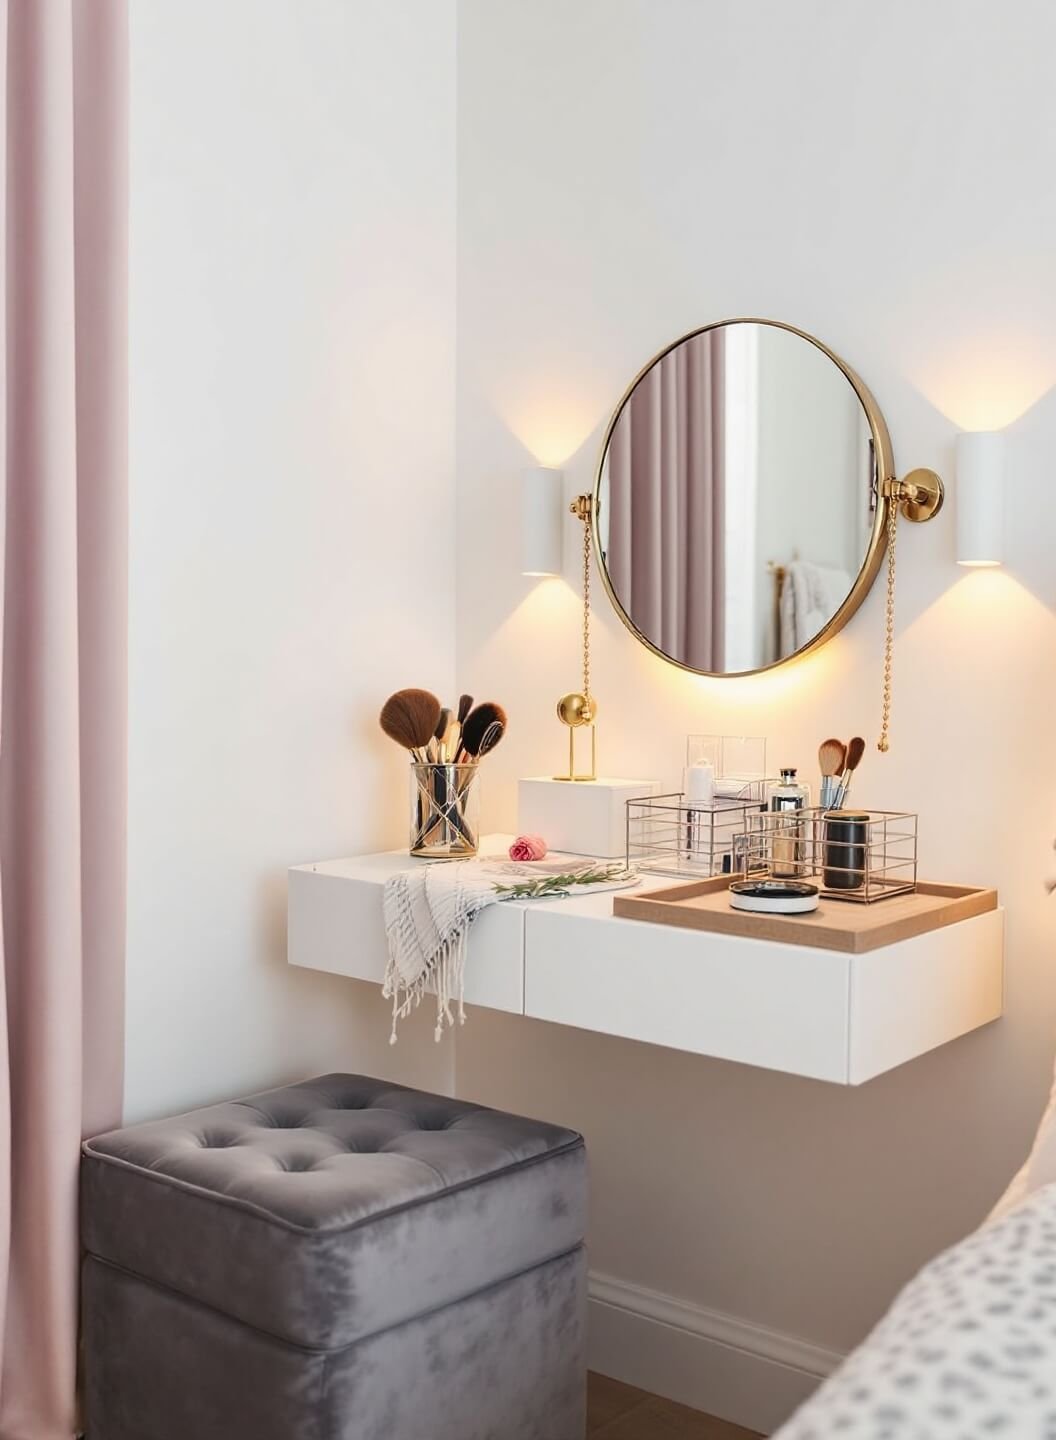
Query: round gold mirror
point(741, 498)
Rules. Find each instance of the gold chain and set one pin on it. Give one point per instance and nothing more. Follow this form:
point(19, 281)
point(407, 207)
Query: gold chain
point(587, 530)
point(883, 744)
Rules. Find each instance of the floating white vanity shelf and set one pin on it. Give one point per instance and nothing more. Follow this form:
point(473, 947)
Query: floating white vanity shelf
point(816, 1012)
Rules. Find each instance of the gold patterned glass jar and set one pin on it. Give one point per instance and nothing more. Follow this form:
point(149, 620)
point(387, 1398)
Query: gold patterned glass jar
point(445, 811)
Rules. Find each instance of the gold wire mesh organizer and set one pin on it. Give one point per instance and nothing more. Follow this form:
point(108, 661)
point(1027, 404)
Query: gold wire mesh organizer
point(857, 855)
point(673, 835)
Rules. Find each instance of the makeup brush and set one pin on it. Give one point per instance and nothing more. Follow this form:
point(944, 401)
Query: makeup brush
point(832, 757)
point(465, 705)
point(449, 743)
point(491, 737)
point(477, 724)
point(484, 728)
point(410, 717)
point(855, 751)
point(440, 734)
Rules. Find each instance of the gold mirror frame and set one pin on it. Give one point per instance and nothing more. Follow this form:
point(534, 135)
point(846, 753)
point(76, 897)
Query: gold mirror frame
point(887, 487)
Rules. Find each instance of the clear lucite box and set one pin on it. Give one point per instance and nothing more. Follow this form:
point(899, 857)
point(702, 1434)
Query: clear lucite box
point(739, 763)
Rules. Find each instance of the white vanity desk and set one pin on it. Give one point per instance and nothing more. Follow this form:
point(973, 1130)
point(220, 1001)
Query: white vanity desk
point(820, 1013)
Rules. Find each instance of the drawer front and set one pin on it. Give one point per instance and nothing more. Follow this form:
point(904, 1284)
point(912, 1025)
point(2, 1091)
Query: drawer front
point(911, 997)
point(336, 924)
point(779, 1007)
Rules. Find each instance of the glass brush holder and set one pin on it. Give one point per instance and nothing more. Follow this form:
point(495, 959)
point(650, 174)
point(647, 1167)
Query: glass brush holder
point(445, 811)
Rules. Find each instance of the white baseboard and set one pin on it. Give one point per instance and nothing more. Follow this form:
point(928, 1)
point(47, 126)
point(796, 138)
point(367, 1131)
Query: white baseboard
point(703, 1358)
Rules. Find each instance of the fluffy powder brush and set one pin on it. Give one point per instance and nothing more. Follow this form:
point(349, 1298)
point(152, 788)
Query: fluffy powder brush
point(410, 717)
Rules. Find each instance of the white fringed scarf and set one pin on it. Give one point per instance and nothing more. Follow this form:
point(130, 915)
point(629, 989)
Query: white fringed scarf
point(428, 912)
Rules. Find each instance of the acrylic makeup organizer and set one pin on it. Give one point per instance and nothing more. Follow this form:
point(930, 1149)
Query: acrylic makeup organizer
point(732, 757)
point(871, 856)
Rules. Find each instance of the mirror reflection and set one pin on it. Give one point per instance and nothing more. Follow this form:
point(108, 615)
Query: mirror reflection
point(737, 497)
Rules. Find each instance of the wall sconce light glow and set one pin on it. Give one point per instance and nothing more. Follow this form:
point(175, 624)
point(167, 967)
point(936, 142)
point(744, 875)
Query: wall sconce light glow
point(542, 521)
point(980, 498)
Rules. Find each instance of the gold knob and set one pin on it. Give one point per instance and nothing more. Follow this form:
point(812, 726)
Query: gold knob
point(575, 709)
point(919, 495)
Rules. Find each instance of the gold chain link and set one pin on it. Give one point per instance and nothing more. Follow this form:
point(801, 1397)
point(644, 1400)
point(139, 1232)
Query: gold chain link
point(587, 532)
point(883, 744)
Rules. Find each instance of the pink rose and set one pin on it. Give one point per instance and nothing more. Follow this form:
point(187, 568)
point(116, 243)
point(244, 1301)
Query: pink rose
point(528, 847)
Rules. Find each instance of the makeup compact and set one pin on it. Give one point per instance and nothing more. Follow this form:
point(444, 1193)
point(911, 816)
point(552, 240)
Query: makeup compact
point(774, 897)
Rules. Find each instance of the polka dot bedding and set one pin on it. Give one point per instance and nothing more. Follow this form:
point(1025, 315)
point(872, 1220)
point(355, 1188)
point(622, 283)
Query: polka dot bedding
point(968, 1349)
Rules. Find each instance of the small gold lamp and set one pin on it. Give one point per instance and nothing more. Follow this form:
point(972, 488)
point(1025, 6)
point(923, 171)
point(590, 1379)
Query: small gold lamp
point(578, 709)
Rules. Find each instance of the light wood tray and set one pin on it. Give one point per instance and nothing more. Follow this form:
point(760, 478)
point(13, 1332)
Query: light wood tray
point(834, 925)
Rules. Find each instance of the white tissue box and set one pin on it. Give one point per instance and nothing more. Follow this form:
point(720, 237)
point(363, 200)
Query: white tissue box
point(585, 817)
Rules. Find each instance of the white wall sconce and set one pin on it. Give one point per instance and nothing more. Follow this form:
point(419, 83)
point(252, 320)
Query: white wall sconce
point(979, 493)
point(542, 521)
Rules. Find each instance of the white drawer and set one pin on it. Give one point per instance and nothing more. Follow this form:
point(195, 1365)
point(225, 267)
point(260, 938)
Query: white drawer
point(819, 1013)
point(336, 924)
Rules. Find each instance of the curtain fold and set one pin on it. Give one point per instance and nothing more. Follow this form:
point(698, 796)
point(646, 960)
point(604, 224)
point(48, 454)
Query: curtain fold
point(63, 696)
point(666, 551)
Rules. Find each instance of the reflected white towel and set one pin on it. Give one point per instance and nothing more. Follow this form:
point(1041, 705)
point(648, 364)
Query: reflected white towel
point(810, 597)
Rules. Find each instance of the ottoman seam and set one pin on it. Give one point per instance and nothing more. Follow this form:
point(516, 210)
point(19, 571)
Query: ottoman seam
point(311, 1231)
point(324, 1387)
point(327, 1353)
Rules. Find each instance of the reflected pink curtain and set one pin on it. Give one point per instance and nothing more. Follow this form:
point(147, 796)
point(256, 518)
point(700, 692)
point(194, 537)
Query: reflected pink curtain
point(666, 495)
point(63, 696)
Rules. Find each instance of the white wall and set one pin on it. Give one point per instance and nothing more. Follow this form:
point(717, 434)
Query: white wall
point(629, 169)
point(292, 355)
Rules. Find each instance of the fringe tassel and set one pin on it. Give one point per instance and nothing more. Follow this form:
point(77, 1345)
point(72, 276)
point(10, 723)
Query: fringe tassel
point(448, 972)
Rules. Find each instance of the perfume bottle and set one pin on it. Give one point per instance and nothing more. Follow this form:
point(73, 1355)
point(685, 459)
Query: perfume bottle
point(788, 851)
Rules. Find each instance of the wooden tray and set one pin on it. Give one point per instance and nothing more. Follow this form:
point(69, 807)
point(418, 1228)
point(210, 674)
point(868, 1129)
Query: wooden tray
point(834, 925)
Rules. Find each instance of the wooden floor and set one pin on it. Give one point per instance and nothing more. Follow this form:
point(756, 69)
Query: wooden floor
point(620, 1412)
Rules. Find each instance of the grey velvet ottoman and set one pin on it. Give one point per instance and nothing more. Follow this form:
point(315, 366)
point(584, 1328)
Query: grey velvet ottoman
point(343, 1259)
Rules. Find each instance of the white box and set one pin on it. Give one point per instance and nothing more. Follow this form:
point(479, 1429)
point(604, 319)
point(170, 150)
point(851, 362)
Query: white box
point(586, 817)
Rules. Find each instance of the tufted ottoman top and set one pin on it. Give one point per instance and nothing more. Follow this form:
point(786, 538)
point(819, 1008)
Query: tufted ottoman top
point(329, 1210)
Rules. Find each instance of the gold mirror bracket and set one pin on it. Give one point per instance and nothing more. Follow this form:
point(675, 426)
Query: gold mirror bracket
point(579, 709)
point(919, 495)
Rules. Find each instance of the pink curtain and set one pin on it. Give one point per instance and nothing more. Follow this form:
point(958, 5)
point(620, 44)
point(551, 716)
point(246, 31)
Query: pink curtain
point(666, 504)
point(63, 696)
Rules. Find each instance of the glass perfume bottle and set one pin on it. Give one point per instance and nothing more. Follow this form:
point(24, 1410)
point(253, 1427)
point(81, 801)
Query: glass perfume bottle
point(788, 847)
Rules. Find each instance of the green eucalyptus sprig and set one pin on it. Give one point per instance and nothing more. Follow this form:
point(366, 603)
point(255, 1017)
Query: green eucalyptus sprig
point(556, 887)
